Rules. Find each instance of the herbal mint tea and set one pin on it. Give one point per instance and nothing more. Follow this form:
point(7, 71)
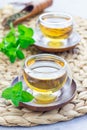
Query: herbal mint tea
point(45, 77)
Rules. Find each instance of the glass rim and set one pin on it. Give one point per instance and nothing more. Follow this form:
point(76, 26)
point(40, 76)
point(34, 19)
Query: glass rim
point(44, 55)
point(70, 21)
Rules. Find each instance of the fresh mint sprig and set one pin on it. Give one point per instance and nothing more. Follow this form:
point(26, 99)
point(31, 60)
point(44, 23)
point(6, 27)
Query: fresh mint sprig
point(16, 94)
point(16, 40)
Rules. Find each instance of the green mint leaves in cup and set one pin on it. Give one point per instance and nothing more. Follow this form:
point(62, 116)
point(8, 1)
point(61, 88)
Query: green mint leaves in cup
point(15, 41)
point(16, 94)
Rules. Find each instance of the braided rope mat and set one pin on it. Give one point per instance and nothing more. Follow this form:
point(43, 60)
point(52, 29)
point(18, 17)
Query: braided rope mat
point(77, 59)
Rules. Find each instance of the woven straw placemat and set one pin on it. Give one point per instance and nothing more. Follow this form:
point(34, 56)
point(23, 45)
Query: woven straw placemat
point(77, 59)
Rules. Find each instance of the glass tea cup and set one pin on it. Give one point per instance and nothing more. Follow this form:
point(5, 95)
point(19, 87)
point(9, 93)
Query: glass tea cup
point(45, 75)
point(55, 28)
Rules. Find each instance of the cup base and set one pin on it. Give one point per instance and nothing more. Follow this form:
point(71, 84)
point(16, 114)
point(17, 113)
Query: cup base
point(44, 98)
point(55, 44)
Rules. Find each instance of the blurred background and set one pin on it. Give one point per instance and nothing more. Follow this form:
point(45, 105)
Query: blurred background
point(74, 7)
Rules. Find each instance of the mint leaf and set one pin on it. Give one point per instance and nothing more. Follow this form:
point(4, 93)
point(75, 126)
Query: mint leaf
point(16, 94)
point(20, 54)
point(7, 93)
point(31, 41)
point(16, 101)
point(26, 97)
point(10, 38)
point(11, 53)
point(1, 46)
point(23, 30)
point(15, 40)
point(26, 42)
point(12, 58)
point(17, 89)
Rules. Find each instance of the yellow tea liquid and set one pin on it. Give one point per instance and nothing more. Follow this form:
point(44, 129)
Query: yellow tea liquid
point(45, 78)
point(52, 31)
